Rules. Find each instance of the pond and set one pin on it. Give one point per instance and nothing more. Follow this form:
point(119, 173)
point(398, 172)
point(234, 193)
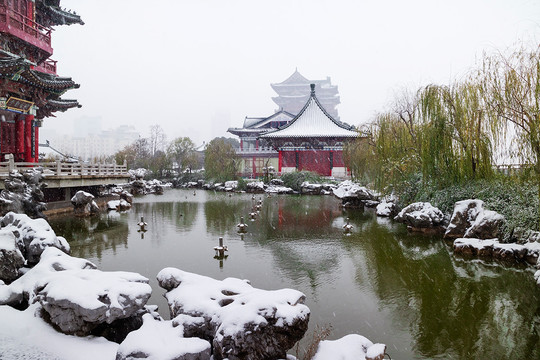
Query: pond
point(404, 290)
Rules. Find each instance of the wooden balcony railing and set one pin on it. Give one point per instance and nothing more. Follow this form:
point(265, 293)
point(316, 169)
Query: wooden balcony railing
point(59, 168)
point(21, 26)
point(48, 66)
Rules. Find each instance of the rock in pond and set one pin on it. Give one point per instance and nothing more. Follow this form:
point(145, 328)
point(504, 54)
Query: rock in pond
point(32, 235)
point(84, 204)
point(350, 347)
point(420, 216)
point(242, 322)
point(471, 220)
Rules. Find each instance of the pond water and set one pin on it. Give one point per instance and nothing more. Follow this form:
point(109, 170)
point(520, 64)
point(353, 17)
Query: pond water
point(404, 290)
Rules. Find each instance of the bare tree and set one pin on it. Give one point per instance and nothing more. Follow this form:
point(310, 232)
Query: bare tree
point(157, 139)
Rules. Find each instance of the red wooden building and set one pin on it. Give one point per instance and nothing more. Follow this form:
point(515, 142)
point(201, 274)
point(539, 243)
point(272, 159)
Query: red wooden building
point(30, 89)
point(312, 141)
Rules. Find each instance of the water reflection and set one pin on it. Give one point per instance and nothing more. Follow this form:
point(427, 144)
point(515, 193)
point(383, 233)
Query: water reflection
point(405, 290)
point(91, 236)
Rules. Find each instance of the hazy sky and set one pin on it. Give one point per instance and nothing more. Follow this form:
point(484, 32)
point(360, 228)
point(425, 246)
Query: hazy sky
point(199, 67)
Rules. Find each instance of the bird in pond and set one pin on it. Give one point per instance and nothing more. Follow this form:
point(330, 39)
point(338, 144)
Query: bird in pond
point(347, 228)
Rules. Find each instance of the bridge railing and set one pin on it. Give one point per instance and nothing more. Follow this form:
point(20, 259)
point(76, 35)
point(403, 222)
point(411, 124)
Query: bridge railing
point(59, 168)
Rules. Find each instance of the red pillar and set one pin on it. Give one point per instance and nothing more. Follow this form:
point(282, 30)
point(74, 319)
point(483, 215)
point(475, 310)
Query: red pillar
point(36, 146)
point(280, 161)
point(19, 144)
point(257, 144)
point(28, 139)
point(241, 144)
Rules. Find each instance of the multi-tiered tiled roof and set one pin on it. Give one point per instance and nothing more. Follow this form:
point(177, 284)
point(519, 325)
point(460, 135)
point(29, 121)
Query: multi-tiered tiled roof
point(313, 121)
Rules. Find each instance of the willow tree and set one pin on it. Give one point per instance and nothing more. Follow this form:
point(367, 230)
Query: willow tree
point(455, 140)
point(359, 155)
point(220, 160)
point(511, 91)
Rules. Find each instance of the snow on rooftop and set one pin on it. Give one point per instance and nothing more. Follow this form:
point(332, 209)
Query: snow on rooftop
point(312, 122)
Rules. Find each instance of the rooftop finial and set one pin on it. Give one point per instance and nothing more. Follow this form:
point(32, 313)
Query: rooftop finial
point(312, 89)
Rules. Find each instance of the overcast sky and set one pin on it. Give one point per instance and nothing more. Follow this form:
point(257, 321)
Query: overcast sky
point(199, 67)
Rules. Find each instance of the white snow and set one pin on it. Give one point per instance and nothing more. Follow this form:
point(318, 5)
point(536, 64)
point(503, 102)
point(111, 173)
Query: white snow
point(385, 208)
point(8, 241)
point(24, 335)
point(349, 347)
point(160, 340)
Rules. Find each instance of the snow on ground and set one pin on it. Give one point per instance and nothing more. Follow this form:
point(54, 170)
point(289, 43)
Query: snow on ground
point(26, 336)
point(160, 340)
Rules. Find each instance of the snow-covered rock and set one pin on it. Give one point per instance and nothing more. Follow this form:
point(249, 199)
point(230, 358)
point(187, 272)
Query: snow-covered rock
point(23, 193)
point(22, 291)
point(241, 321)
point(255, 187)
point(306, 188)
point(278, 189)
point(471, 220)
point(350, 347)
point(84, 204)
point(492, 248)
point(11, 258)
point(352, 194)
point(386, 209)
point(161, 340)
point(32, 235)
point(118, 205)
point(420, 215)
point(75, 295)
point(231, 185)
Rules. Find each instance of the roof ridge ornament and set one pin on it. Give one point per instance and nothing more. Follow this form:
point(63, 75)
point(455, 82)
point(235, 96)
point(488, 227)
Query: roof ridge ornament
point(312, 89)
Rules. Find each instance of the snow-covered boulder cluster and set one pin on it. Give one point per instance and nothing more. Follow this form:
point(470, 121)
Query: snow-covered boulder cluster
point(386, 208)
point(23, 193)
point(242, 322)
point(307, 188)
point(31, 236)
point(350, 347)
point(492, 248)
point(421, 215)
point(471, 220)
point(143, 187)
point(84, 204)
point(275, 187)
point(354, 195)
point(74, 295)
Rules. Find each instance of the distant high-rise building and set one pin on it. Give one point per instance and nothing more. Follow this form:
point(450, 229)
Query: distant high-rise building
point(295, 91)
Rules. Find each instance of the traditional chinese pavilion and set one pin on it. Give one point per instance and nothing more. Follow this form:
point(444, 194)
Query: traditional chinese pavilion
point(257, 154)
point(312, 141)
point(294, 92)
point(30, 89)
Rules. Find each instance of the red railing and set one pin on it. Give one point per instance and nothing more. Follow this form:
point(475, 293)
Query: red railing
point(48, 66)
point(24, 28)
